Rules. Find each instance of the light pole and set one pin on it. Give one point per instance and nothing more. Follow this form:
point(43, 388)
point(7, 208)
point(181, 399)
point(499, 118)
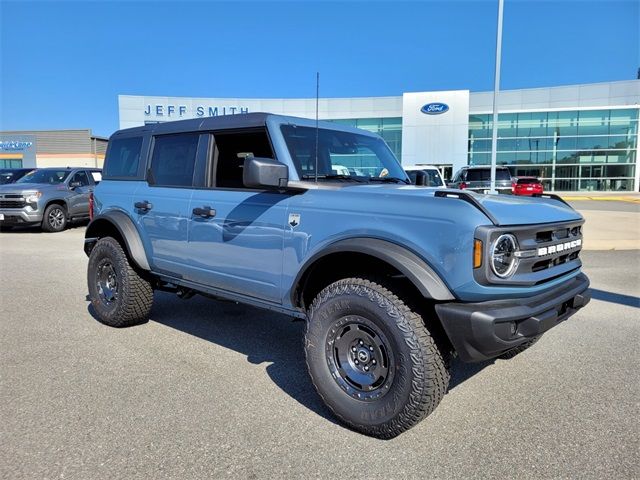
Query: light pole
point(496, 89)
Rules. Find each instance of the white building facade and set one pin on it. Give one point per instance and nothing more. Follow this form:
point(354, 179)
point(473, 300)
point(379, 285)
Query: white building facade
point(575, 138)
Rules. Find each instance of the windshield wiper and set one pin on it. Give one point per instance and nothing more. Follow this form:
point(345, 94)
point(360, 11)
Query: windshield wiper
point(334, 177)
point(390, 180)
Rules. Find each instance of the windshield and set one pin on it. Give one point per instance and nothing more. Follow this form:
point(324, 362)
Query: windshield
point(341, 155)
point(52, 177)
point(7, 177)
point(433, 178)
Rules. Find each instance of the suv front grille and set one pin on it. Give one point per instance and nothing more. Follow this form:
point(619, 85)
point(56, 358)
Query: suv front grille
point(12, 203)
point(546, 252)
point(560, 234)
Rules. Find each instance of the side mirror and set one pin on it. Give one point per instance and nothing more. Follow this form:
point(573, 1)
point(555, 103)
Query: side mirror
point(73, 185)
point(264, 173)
point(421, 178)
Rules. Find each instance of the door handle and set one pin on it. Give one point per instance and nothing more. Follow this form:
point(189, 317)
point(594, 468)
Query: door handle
point(204, 212)
point(144, 206)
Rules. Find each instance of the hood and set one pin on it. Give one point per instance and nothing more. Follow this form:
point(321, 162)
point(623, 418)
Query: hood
point(26, 187)
point(505, 209)
point(513, 210)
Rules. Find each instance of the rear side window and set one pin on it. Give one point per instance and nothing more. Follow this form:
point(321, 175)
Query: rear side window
point(484, 175)
point(174, 158)
point(123, 158)
point(97, 176)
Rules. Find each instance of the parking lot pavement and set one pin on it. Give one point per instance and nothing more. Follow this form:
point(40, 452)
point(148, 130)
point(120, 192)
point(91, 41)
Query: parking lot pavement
point(610, 225)
point(214, 389)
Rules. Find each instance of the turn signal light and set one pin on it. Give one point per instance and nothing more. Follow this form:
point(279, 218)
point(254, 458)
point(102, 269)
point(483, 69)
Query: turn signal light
point(477, 253)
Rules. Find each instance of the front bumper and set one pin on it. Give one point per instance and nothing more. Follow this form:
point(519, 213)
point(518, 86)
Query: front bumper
point(13, 216)
point(480, 331)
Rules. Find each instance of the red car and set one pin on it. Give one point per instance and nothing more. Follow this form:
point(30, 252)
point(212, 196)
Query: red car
point(526, 186)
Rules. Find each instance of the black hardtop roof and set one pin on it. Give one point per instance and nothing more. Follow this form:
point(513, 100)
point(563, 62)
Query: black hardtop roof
point(229, 122)
point(241, 120)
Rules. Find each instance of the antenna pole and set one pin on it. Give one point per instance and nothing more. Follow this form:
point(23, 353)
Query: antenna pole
point(317, 102)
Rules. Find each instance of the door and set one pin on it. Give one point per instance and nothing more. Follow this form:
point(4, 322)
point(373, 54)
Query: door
point(80, 187)
point(236, 234)
point(161, 205)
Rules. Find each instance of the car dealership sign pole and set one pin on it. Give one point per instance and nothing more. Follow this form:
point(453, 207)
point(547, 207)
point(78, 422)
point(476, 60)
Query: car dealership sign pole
point(496, 90)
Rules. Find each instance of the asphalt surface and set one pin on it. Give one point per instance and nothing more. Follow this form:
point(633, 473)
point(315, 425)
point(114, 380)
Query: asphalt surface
point(606, 205)
point(213, 389)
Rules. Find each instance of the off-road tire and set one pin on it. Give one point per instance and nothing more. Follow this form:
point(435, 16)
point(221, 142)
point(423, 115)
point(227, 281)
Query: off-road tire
point(519, 349)
point(55, 218)
point(133, 297)
point(420, 377)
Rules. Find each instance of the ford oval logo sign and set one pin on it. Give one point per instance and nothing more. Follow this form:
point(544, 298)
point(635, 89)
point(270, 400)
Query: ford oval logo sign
point(434, 108)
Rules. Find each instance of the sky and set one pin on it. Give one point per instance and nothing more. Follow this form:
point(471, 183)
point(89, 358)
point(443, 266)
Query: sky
point(63, 64)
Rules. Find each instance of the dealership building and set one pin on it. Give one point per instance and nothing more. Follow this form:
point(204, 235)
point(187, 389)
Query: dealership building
point(575, 138)
point(51, 148)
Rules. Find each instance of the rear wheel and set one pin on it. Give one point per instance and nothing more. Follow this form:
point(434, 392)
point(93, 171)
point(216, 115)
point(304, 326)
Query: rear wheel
point(54, 218)
point(371, 358)
point(119, 295)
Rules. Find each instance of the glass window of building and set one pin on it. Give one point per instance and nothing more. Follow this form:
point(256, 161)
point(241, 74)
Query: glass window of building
point(593, 149)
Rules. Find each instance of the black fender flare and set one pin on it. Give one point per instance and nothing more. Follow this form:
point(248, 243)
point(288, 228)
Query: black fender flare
point(128, 231)
point(419, 272)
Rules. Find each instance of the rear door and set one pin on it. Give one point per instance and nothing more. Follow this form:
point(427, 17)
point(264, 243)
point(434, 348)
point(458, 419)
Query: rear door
point(161, 204)
point(236, 234)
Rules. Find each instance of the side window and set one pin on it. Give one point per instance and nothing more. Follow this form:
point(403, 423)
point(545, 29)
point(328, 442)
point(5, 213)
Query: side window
point(231, 150)
point(413, 175)
point(123, 157)
point(80, 177)
point(173, 160)
point(97, 176)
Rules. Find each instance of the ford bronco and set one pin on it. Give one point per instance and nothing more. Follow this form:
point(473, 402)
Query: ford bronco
point(391, 278)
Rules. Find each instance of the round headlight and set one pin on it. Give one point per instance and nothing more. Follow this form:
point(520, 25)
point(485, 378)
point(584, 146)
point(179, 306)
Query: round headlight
point(503, 255)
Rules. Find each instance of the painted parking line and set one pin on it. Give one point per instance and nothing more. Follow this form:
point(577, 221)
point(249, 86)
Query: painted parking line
point(606, 199)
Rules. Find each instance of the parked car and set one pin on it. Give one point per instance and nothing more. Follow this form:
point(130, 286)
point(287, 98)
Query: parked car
point(50, 197)
point(392, 279)
point(12, 175)
point(526, 186)
point(425, 175)
point(478, 179)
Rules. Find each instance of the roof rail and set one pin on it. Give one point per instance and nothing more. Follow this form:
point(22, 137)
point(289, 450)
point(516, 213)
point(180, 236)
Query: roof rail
point(469, 198)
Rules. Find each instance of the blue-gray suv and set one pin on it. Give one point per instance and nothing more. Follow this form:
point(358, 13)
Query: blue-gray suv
point(319, 221)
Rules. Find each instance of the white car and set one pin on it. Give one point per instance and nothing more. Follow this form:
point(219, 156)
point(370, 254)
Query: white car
point(432, 176)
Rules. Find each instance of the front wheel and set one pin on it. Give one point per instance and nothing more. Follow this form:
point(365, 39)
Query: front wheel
point(119, 295)
point(54, 218)
point(371, 358)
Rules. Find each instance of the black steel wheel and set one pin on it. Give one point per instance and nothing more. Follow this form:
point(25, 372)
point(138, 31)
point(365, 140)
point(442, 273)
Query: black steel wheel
point(371, 358)
point(120, 296)
point(107, 282)
point(360, 358)
point(54, 218)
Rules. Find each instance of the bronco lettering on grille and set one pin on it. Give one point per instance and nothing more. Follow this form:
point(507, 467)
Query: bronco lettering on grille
point(560, 247)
